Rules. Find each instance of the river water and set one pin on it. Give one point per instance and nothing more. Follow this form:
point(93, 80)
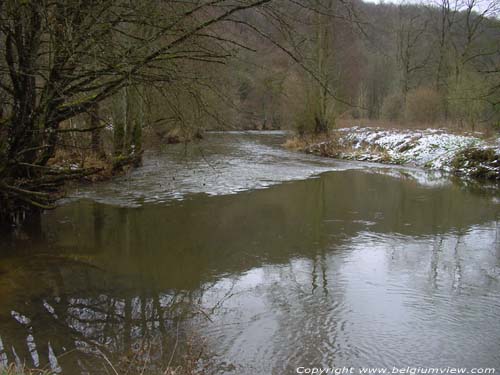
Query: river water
point(235, 256)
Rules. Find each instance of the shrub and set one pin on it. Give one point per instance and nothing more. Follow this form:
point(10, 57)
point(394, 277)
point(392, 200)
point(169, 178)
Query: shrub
point(392, 107)
point(471, 100)
point(424, 105)
point(478, 163)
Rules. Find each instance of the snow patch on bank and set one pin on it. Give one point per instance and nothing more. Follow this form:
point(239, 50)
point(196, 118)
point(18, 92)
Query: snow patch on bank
point(433, 149)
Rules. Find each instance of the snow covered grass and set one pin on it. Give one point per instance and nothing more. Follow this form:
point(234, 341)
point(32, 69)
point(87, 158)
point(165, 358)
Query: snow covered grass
point(435, 149)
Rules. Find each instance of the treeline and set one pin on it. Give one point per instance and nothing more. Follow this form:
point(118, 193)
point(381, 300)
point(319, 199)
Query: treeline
point(431, 64)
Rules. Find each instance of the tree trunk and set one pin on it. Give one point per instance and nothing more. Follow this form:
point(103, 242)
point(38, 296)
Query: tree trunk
point(119, 118)
point(96, 141)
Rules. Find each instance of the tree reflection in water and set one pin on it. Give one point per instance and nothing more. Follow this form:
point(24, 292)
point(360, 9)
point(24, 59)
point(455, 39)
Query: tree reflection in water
point(300, 272)
point(79, 317)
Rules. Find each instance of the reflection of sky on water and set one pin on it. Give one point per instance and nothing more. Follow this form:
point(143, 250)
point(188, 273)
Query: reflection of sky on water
point(369, 264)
point(378, 301)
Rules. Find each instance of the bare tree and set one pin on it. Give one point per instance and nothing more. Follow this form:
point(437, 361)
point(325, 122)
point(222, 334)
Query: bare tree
point(60, 58)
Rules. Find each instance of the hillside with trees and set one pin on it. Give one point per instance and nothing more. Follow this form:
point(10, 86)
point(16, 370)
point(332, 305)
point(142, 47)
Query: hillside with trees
point(428, 63)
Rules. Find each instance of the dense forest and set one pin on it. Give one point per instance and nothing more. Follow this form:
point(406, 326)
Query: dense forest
point(86, 85)
point(425, 63)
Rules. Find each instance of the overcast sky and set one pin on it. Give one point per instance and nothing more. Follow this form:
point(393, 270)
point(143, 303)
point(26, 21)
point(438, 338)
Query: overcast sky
point(493, 6)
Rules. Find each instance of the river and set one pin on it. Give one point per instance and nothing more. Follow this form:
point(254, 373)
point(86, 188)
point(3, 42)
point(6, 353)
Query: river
point(239, 257)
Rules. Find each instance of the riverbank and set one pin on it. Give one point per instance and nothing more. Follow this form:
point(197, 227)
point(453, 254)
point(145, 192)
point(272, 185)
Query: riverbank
point(74, 165)
point(467, 155)
point(142, 254)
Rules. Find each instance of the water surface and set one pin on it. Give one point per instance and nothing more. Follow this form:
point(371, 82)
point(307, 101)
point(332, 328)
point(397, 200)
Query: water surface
point(260, 259)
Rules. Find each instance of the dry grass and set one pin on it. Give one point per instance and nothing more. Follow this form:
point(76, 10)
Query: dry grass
point(190, 357)
point(478, 163)
point(295, 144)
point(190, 368)
point(14, 370)
point(451, 127)
point(68, 159)
point(162, 136)
point(300, 143)
point(332, 147)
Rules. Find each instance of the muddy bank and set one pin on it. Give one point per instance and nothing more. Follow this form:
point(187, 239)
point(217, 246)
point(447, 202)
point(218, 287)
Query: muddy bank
point(464, 155)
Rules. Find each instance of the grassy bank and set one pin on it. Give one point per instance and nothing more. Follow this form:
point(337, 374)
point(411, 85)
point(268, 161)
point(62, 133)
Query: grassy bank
point(466, 154)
